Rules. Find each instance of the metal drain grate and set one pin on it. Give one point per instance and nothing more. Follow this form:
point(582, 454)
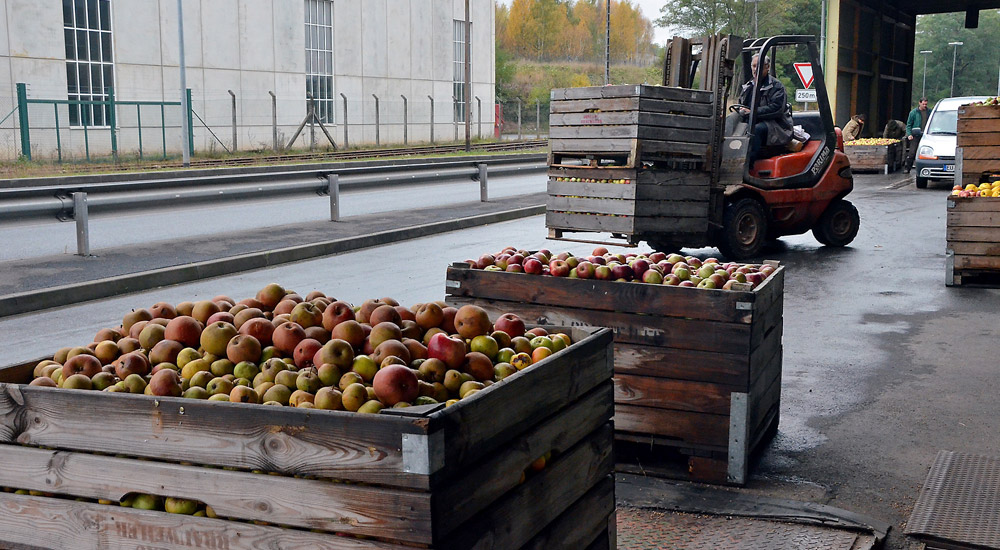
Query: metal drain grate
point(960, 501)
point(640, 529)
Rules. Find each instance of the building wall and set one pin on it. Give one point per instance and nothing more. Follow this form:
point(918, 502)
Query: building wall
point(389, 48)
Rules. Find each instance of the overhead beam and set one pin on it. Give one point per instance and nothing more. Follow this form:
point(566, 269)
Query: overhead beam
point(972, 18)
point(830, 69)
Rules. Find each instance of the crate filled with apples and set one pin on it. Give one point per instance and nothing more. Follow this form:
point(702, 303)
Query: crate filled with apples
point(690, 334)
point(189, 407)
point(972, 230)
point(655, 268)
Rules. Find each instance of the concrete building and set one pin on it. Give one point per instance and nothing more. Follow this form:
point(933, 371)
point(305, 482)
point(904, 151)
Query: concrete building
point(343, 52)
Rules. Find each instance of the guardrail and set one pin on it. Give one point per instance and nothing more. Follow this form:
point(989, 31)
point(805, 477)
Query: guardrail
point(77, 202)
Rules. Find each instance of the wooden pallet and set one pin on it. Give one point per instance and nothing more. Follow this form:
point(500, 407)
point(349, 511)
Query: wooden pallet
point(978, 143)
point(629, 125)
point(431, 476)
point(973, 234)
point(697, 370)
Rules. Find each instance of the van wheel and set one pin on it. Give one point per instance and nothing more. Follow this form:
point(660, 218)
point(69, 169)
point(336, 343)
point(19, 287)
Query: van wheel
point(921, 183)
point(838, 225)
point(744, 229)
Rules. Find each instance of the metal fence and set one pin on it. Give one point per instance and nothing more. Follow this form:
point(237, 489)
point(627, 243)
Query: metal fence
point(225, 122)
point(523, 120)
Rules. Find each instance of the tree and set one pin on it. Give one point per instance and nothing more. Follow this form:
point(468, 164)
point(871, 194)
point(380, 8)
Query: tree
point(976, 62)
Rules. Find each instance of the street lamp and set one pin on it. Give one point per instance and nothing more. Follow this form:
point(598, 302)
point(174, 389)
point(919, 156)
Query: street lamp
point(954, 58)
point(923, 87)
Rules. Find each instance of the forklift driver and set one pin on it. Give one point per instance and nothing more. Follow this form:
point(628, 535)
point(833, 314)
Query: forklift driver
point(772, 131)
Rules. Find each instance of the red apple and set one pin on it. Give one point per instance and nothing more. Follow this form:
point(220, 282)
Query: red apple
point(394, 384)
point(511, 324)
point(532, 266)
point(585, 270)
point(559, 268)
point(603, 273)
point(447, 349)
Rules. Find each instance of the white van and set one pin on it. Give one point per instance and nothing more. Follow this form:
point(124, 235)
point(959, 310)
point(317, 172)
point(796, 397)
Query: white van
point(936, 152)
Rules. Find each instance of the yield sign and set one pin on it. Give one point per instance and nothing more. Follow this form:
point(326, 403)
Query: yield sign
point(805, 71)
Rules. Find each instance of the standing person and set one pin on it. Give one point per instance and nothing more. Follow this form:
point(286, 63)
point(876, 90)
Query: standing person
point(917, 119)
point(773, 126)
point(852, 130)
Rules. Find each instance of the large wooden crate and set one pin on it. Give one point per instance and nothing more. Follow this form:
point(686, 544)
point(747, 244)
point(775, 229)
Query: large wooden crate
point(874, 158)
point(630, 202)
point(430, 476)
point(697, 370)
point(978, 142)
point(973, 233)
point(630, 124)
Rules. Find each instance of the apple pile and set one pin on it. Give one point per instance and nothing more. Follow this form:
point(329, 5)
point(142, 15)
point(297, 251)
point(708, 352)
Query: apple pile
point(982, 190)
point(657, 268)
point(871, 141)
point(279, 348)
point(592, 180)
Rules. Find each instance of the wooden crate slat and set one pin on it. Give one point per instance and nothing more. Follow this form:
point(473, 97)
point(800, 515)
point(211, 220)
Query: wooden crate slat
point(666, 120)
point(767, 397)
point(589, 172)
point(466, 495)
point(974, 219)
point(707, 305)
point(635, 329)
point(682, 364)
point(585, 222)
point(989, 152)
point(653, 208)
point(681, 395)
point(329, 444)
point(669, 192)
point(594, 190)
point(582, 523)
point(761, 357)
point(710, 430)
point(319, 504)
point(977, 262)
point(975, 249)
point(470, 427)
point(625, 146)
point(766, 321)
point(521, 514)
point(59, 524)
point(973, 234)
point(974, 204)
point(974, 166)
point(966, 124)
point(988, 139)
point(632, 90)
point(594, 105)
point(668, 178)
point(651, 147)
point(651, 133)
point(979, 111)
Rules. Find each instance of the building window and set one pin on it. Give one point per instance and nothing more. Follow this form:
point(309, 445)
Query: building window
point(319, 57)
point(90, 65)
point(458, 87)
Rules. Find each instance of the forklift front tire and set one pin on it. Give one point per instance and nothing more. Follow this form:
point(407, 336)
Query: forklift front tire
point(744, 230)
point(838, 225)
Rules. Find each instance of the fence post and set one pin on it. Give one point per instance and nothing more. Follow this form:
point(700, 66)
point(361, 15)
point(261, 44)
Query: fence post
point(538, 119)
point(82, 231)
point(274, 120)
point(483, 189)
point(518, 119)
point(454, 119)
point(479, 118)
point(22, 118)
point(312, 123)
point(377, 122)
point(345, 119)
point(113, 123)
point(190, 117)
point(55, 107)
point(406, 129)
point(233, 96)
point(333, 187)
point(432, 119)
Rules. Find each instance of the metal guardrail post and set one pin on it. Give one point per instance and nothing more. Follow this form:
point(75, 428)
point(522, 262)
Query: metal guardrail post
point(518, 119)
point(233, 96)
point(333, 187)
point(312, 123)
point(406, 129)
point(538, 119)
point(454, 105)
point(345, 120)
point(274, 120)
point(113, 123)
point(483, 188)
point(479, 118)
point(378, 123)
point(22, 119)
point(55, 107)
point(82, 229)
point(190, 117)
point(432, 119)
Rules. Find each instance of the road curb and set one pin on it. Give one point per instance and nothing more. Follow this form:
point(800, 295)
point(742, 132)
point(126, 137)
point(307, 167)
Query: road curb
point(38, 300)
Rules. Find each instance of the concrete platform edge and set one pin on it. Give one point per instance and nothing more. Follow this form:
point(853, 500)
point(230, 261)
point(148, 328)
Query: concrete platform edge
point(38, 300)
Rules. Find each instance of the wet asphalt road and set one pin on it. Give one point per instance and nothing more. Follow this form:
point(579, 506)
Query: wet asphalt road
point(883, 364)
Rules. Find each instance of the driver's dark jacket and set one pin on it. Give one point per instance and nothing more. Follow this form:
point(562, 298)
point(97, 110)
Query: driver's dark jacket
point(772, 110)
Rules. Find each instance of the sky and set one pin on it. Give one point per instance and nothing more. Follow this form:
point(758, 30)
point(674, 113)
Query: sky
point(650, 9)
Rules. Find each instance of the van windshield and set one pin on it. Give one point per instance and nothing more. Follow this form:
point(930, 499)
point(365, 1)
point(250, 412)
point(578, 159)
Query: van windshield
point(943, 122)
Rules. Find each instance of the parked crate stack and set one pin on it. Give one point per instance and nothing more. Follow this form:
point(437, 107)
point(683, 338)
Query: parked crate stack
point(695, 370)
point(875, 158)
point(626, 159)
point(430, 477)
point(973, 233)
point(978, 141)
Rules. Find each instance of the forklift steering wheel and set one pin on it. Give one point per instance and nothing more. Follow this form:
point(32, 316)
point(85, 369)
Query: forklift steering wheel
point(735, 108)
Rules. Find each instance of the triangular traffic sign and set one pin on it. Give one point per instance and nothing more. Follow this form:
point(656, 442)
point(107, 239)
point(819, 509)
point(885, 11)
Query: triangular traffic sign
point(805, 71)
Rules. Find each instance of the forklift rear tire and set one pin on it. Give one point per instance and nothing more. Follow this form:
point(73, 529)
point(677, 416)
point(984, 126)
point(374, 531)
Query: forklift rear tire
point(744, 229)
point(838, 225)
point(921, 183)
